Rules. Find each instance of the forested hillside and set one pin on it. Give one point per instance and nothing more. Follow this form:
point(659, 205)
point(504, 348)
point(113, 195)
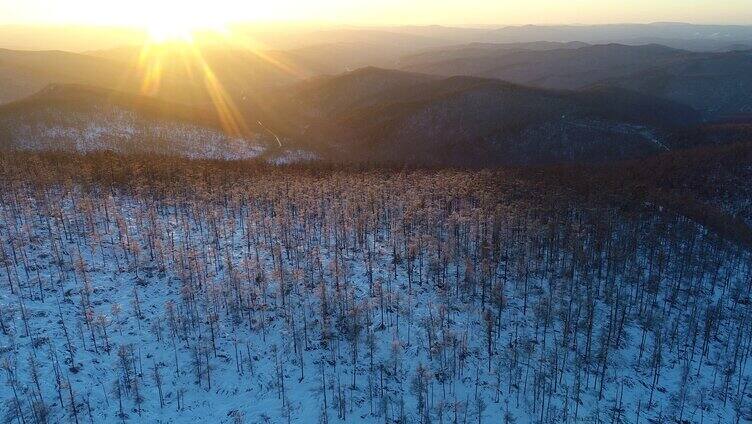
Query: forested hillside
point(155, 289)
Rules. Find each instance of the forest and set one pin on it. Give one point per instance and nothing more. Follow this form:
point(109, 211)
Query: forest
point(151, 289)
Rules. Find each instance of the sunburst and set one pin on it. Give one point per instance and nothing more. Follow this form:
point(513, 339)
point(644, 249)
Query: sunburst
point(176, 39)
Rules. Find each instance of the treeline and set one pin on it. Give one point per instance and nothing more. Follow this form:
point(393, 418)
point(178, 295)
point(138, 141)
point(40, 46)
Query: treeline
point(707, 185)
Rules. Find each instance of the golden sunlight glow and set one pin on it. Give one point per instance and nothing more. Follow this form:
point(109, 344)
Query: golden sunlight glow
point(141, 13)
point(173, 47)
point(174, 29)
point(175, 20)
point(369, 12)
point(170, 31)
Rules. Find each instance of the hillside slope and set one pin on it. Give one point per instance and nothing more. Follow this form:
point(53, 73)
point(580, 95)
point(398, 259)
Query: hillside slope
point(378, 115)
point(562, 68)
point(75, 118)
point(23, 73)
point(717, 84)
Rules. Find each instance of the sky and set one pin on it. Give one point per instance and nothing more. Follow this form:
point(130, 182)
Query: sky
point(213, 13)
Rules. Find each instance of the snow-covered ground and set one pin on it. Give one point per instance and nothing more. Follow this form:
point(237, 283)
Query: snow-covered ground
point(110, 128)
point(102, 290)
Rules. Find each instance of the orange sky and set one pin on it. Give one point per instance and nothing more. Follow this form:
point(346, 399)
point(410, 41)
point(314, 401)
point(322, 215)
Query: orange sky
point(197, 13)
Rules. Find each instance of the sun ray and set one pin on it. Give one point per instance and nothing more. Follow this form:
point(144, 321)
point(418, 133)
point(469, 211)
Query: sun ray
point(150, 62)
point(247, 43)
point(229, 115)
point(173, 56)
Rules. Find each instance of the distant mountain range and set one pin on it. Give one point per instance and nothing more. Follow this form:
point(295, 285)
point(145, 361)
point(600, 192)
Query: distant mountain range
point(398, 40)
point(380, 115)
point(572, 67)
point(713, 83)
point(717, 84)
point(520, 103)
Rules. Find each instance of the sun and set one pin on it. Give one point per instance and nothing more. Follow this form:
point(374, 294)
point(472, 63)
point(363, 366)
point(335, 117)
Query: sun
point(162, 32)
point(179, 21)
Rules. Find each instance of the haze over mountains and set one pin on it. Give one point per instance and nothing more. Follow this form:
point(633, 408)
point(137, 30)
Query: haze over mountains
point(712, 83)
point(430, 95)
point(398, 38)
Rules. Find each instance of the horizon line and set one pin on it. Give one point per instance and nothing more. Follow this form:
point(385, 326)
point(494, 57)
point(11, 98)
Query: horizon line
point(302, 23)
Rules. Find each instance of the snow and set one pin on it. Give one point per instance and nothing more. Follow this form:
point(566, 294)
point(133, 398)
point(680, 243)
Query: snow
point(293, 156)
point(118, 130)
point(243, 379)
